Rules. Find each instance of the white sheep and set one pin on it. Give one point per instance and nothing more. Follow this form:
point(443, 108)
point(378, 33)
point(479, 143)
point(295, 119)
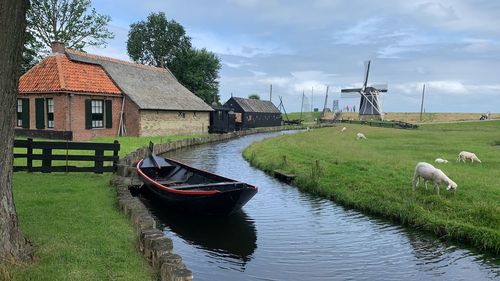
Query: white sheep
point(360, 136)
point(343, 129)
point(464, 155)
point(441, 160)
point(428, 172)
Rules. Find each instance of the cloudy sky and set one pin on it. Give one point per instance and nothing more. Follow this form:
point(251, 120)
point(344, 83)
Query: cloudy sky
point(452, 46)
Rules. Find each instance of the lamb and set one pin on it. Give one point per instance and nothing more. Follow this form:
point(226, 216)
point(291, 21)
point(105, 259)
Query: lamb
point(360, 136)
point(441, 160)
point(464, 155)
point(343, 129)
point(428, 172)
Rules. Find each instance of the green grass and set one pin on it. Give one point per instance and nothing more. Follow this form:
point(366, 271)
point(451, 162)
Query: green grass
point(74, 224)
point(374, 175)
point(76, 229)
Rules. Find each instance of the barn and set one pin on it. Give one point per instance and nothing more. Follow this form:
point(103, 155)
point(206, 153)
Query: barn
point(252, 113)
point(79, 96)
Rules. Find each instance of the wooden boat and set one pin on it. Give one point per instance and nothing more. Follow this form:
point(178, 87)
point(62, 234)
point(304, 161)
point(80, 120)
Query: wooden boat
point(190, 189)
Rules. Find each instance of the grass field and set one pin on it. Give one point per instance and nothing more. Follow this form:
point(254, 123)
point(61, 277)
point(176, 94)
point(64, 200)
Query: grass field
point(74, 225)
point(374, 175)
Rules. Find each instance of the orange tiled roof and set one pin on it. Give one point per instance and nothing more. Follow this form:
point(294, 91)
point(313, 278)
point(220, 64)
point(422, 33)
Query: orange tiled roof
point(57, 73)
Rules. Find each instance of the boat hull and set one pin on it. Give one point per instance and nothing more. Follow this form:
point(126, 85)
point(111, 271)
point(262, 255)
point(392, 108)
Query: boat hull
point(202, 192)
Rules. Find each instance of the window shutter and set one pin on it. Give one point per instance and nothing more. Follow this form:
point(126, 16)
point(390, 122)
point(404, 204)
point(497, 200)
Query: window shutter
point(88, 114)
point(26, 113)
point(109, 114)
point(40, 113)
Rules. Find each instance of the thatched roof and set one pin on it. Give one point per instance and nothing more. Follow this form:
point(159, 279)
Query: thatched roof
point(148, 87)
point(253, 105)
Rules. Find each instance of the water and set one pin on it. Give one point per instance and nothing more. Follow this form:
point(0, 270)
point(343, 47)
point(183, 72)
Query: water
point(283, 234)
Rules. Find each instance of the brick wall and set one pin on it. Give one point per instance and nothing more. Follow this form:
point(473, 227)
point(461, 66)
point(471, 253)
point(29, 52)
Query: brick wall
point(160, 123)
point(132, 118)
point(78, 118)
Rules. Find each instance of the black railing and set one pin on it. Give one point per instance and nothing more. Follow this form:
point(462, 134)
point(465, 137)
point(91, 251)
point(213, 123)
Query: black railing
point(51, 151)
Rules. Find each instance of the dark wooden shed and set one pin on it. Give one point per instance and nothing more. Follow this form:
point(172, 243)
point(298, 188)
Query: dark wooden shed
point(251, 113)
point(222, 120)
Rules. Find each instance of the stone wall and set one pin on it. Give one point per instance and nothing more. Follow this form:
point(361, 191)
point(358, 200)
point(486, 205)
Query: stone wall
point(152, 243)
point(162, 123)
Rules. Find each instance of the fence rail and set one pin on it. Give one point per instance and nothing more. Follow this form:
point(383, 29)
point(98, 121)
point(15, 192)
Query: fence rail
point(47, 156)
point(386, 124)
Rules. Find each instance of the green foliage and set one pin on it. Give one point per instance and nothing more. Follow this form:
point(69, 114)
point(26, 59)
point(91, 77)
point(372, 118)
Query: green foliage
point(68, 21)
point(32, 52)
point(157, 40)
point(374, 175)
point(254, 97)
point(198, 71)
point(163, 43)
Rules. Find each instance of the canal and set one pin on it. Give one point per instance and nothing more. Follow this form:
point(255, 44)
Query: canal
point(283, 234)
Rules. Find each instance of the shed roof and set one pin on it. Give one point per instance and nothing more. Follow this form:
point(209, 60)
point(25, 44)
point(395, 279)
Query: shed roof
point(253, 105)
point(149, 87)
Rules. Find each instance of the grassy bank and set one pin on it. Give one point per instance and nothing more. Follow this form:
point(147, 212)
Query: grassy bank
point(77, 231)
point(74, 225)
point(374, 175)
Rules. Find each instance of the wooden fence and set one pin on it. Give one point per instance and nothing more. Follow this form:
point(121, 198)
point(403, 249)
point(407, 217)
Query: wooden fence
point(47, 156)
point(386, 124)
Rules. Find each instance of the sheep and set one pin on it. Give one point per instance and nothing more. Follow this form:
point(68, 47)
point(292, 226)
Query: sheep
point(428, 172)
point(360, 136)
point(441, 160)
point(464, 155)
point(343, 129)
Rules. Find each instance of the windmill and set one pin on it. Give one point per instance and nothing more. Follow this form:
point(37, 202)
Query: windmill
point(369, 104)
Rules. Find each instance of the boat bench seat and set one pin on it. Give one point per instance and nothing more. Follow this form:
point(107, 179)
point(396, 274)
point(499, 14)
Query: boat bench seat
point(207, 185)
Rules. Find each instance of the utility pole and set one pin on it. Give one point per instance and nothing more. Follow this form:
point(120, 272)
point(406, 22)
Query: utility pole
point(271, 92)
point(422, 104)
point(312, 96)
point(301, 107)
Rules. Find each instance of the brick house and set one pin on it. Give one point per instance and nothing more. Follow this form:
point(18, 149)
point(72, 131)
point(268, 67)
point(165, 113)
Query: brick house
point(79, 96)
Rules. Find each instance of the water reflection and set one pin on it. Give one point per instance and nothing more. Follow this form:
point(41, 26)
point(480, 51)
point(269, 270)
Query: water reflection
point(232, 238)
point(305, 237)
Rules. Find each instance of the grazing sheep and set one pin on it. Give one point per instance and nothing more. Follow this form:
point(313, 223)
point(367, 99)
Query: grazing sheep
point(343, 129)
point(464, 155)
point(441, 160)
point(360, 136)
point(428, 172)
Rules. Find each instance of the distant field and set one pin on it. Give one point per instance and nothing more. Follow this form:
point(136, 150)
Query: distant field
point(374, 175)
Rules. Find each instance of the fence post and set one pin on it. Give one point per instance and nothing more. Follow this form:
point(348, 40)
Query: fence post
point(116, 148)
point(47, 160)
point(98, 166)
point(29, 155)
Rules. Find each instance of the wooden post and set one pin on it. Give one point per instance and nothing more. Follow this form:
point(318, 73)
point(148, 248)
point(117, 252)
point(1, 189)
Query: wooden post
point(98, 164)
point(47, 161)
point(115, 153)
point(29, 155)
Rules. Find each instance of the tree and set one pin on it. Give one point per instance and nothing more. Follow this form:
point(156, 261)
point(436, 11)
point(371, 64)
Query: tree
point(68, 21)
point(13, 245)
point(254, 97)
point(157, 40)
point(32, 52)
point(163, 43)
point(198, 71)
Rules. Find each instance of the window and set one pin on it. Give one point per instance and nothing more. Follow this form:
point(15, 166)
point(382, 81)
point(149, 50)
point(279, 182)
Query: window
point(97, 113)
point(220, 115)
point(50, 113)
point(19, 112)
point(181, 114)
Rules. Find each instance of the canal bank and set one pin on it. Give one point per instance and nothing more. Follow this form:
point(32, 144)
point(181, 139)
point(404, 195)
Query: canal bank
point(151, 242)
point(374, 175)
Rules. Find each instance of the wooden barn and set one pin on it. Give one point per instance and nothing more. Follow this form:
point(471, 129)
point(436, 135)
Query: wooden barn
point(79, 96)
point(222, 120)
point(252, 113)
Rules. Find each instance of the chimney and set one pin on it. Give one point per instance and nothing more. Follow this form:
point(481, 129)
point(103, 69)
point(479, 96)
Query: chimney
point(58, 47)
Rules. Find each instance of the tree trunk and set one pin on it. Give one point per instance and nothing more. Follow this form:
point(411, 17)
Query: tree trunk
point(13, 245)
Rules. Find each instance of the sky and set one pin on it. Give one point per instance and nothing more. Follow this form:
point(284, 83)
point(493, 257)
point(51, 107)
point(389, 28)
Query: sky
point(452, 46)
